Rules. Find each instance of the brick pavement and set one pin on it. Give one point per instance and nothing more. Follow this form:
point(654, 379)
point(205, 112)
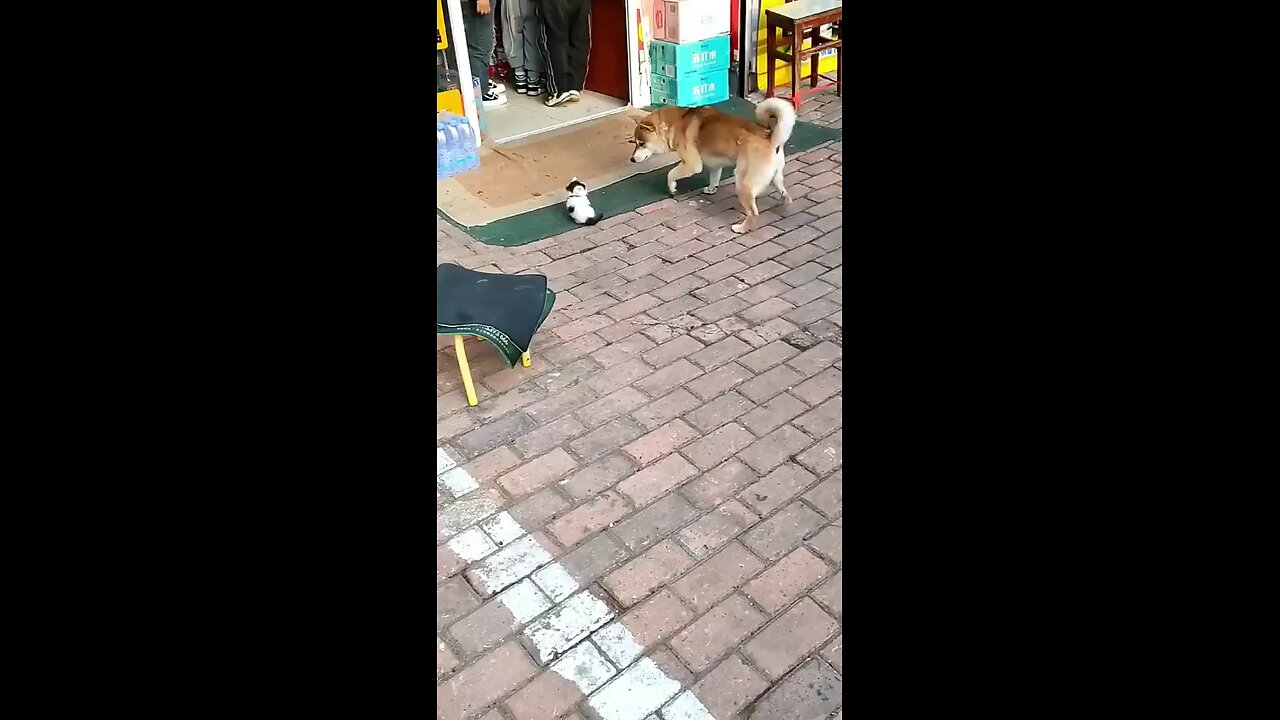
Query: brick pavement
point(647, 523)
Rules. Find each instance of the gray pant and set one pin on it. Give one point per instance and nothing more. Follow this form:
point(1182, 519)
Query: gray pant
point(479, 29)
point(521, 37)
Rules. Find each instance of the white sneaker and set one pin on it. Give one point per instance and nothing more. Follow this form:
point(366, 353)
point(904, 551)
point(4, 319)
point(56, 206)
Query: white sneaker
point(494, 85)
point(574, 96)
point(493, 100)
point(559, 99)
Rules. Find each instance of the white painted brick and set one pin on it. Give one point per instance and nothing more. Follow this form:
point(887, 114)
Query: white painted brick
point(502, 528)
point(509, 565)
point(585, 667)
point(556, 582)
point(618, 644)
point(444, 463)
point(525, 601)
point(458, 482)
point(472, 545)
point(640, 690)
point(463, 514)
point(566, 625)
point(686, 707)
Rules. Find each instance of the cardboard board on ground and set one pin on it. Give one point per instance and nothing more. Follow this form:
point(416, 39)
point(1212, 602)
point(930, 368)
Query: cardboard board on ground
point(525, 175)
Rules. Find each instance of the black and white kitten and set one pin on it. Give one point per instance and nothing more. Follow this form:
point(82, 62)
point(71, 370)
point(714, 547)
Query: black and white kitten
point(579, 205)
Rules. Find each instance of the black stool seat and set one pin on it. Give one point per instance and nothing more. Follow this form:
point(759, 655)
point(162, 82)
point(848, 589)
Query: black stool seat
point(506, 310)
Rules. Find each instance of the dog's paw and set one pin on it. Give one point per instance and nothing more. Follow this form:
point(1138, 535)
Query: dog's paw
point(709, 190)
point(671, 188)
point(786, 198)
point(739, 228)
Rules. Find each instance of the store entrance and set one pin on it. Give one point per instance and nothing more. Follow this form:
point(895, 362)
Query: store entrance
point(607, 86)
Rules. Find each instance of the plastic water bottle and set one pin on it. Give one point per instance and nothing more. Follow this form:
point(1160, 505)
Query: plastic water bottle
point(450, 140)
point(469, 153)
point(453, 142)
point(444, 158)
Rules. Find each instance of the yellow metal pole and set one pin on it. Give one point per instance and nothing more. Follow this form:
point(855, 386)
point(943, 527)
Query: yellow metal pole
point(526, 360)
point(466, 371)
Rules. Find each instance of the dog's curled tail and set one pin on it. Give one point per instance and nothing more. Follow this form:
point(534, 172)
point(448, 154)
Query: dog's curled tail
point(592, 220)
point(783, 118)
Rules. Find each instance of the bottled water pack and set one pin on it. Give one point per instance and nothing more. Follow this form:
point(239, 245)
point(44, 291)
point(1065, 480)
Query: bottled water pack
point(456, 147)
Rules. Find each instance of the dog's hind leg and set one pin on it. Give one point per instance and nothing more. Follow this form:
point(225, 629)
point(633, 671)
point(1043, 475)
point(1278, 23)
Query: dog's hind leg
point(748, 201)
point(777, 178)
point(713, 183)
point(749, 187)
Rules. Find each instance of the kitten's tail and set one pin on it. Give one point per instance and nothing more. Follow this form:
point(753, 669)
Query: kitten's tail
point(593, 220)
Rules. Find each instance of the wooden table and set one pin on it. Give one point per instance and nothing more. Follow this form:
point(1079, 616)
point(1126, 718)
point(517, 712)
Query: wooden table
point(799, 18)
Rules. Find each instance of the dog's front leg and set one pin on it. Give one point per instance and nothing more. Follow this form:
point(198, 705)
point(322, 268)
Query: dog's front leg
point(713, 184)
point(679, 172)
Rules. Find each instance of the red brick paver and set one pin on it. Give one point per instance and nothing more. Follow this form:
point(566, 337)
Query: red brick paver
point(675, 452)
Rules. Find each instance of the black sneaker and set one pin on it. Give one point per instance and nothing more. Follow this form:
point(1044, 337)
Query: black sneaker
point(522, 85)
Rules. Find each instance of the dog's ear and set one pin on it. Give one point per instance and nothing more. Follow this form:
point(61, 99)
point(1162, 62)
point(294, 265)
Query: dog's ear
point(647, 126)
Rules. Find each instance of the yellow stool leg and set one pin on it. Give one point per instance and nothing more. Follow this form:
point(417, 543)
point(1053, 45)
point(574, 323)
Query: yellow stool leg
point(466, 371)
point(526, 360)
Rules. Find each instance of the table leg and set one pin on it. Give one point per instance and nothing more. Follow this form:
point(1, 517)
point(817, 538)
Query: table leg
point(797, 39)
point(813, 59)
point(465, 368)
point(839, 67)
point(771, 55)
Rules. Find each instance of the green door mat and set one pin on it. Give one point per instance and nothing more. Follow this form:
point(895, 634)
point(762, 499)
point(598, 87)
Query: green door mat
point(628, 194)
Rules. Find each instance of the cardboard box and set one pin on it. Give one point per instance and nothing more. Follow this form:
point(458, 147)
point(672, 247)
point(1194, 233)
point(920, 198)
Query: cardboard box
point(695, 58)
point(691, 90)
point(690, 20)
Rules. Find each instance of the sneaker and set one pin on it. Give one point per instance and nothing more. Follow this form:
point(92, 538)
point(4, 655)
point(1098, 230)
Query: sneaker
point(493, 100)
point(574, 96)
point(494, 86)
point(537, 87)
point(559, 99)
point(522, 84)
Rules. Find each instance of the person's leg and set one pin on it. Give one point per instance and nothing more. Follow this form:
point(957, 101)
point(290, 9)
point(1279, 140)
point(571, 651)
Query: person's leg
point(479, 29)
point(531, 36)
point(579, 43)
point(512, 39)
point(555, 34)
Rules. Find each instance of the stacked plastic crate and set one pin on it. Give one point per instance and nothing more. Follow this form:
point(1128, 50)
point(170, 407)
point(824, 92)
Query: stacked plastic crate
point(689, 55)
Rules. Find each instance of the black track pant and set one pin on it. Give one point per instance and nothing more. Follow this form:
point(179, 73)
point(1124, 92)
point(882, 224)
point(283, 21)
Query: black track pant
point(566, 42)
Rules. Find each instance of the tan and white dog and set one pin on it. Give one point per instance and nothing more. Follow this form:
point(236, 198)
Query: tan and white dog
point(705, 137)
